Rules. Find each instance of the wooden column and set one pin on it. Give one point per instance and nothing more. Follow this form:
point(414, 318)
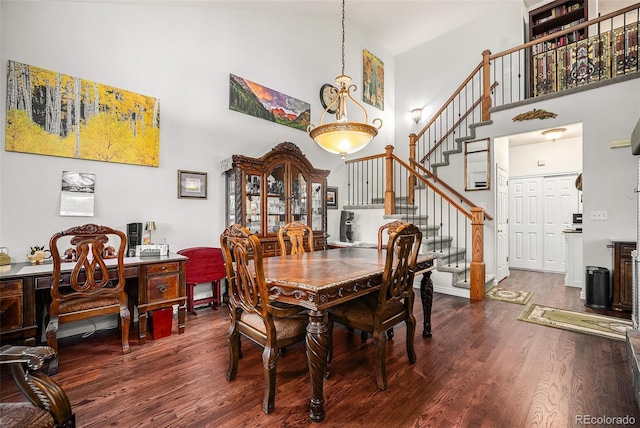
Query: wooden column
point(486, 85)
point(389, 194)
point(477, 274)
point(413, 139)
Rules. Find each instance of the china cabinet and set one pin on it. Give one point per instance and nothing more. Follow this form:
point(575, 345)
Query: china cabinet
point(264, 194)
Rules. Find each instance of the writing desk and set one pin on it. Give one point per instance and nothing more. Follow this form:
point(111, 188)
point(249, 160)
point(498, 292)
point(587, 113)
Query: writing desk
point(153, 282)
point(322, 279)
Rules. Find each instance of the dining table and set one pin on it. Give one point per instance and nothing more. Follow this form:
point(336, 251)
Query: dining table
point(320, 280)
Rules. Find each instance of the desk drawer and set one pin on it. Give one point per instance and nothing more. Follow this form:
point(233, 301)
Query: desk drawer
point(162, 287)
point(11, 304)
point(163, 268)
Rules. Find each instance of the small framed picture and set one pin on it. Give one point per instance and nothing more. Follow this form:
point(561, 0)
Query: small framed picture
point(332, 197)
point(192, 184)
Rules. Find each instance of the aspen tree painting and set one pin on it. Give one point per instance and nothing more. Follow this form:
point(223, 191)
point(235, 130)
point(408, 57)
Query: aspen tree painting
point(54, 114)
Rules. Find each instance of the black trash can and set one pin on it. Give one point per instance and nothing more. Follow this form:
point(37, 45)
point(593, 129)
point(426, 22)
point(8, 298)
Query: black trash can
point(598, 288)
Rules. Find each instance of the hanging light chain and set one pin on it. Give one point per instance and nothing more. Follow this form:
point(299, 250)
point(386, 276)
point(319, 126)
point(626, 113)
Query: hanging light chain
point(343, 36)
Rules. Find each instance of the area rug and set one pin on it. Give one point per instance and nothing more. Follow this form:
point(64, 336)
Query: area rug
point(509, 295)
point(598, 325)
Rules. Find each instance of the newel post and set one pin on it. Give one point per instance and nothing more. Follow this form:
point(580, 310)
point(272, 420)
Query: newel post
point(413, 139)
point(486, 85)
point(477, 274)
point(389, 194)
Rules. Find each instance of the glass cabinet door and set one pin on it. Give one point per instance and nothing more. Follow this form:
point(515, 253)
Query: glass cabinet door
point(252, 202)
point(298, 196)
point(276, 199)
point(231, 199)
point(317, 206)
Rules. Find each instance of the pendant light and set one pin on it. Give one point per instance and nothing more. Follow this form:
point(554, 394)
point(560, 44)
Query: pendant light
point(342, 136)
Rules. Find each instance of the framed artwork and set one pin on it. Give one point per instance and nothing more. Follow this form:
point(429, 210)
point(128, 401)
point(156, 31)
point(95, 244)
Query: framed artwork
point(192, 184)
point(256, 100)
point(79, 118)
point(332, 197)
point(373, 80)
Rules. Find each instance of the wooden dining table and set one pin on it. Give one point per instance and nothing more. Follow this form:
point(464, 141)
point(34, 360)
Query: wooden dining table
point(322, 279)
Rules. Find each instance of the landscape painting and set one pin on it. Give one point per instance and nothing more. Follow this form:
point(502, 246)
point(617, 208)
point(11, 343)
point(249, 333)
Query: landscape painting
point(256, 100)
point(50, 113)
point(373, 80)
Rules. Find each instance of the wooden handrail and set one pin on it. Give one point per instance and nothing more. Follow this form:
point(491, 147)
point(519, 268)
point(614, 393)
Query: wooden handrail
point(440, 193)
point(565, 31)
point(366, 158)
point(433, 177)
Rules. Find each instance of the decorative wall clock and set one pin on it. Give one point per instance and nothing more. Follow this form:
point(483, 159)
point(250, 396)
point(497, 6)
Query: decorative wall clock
point(328, 93)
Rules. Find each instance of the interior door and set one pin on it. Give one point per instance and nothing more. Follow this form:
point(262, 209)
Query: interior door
point(526, 213)
point(502, 224)
point(560, 202)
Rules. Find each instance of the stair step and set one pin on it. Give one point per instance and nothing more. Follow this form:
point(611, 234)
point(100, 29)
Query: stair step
point(488, 282)
point(450, 259)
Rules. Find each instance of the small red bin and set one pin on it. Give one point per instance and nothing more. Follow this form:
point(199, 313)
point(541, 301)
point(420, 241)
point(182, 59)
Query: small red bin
point(161, 320)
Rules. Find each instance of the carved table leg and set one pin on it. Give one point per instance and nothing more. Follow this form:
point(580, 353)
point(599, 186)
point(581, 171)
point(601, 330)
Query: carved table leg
point(142, 326)
point(317, 350)
point(426, 293)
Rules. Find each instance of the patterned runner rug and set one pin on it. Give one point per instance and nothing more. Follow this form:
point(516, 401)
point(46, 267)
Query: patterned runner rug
point(509, 295)
point(598, 325)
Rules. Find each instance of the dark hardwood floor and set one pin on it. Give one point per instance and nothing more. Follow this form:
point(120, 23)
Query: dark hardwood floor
point(481, 368)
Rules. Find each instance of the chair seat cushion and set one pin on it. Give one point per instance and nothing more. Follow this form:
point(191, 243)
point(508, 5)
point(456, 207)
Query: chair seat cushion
point(287, 328)
point(362, 310)
point(24, 415)
point(84, 304)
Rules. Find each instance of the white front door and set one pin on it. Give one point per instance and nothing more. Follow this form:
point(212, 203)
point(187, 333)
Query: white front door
point(502, 224)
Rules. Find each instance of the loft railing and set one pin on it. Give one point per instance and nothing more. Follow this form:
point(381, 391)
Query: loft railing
point(437, 208)
point(609, 50)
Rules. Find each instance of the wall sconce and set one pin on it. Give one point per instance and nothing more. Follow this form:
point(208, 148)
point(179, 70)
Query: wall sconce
point(553, 134)
point(416, 115)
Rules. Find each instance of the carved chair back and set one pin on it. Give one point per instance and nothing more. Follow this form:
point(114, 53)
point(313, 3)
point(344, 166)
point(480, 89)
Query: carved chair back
point(397, 281)
point(390, 228)
point(90, 289)
point(296, 232)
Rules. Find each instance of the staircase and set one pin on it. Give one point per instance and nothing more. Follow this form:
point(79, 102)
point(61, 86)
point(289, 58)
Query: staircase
point(450, 258)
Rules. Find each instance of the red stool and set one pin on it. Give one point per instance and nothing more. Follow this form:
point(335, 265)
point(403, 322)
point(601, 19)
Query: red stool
point(205, 264)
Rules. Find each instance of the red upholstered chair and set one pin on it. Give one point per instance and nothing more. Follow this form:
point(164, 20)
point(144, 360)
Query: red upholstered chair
point(205, 264)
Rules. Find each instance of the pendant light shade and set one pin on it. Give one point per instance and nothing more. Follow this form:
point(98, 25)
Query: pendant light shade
point(342, 136)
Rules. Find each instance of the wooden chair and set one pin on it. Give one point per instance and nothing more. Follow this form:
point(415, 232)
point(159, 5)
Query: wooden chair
point(390, 228)
point(205, 264)
point(89, 289)
point(48, 404)
point(296, 232)
point(392, 305)
point(252, 314)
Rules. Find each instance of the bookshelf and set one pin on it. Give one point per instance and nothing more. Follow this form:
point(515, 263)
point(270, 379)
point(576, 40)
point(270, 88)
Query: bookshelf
point(557, 16)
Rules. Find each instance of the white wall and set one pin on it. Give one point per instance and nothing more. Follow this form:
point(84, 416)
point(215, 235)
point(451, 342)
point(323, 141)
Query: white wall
point(558, 157)
point(182, 55)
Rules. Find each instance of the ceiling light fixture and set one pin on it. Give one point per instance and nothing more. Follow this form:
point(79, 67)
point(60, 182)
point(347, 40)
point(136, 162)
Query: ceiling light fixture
point(343, 137)
point(553, 134)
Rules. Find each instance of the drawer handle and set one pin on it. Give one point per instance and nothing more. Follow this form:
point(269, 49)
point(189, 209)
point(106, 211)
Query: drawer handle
point(164, 267)
point(163, 288)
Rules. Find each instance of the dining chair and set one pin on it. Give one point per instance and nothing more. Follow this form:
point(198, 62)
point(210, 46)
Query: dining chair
point(48, 404)
point(393, 304)
point(296, 232)
point(252, 314)
point(87, 288)
point(390, 228)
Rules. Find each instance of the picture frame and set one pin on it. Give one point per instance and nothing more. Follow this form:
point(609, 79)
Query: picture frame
point(192, 184)
point(332, 197)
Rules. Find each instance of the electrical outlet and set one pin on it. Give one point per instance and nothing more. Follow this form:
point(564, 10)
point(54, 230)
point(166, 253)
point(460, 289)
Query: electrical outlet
point(599, 215)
